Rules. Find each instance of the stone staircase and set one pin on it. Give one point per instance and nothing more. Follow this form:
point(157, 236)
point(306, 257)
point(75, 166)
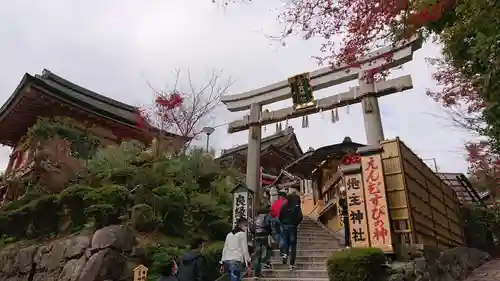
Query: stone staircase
point(315, 245)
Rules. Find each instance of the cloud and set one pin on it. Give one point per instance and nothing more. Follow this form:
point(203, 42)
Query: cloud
point(113, 47)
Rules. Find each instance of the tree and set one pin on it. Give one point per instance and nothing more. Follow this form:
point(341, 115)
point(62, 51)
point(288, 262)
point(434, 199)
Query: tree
point(184, 112)
point(361, 25)
point(469, 75)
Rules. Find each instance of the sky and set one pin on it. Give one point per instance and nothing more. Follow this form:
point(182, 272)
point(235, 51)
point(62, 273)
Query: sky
point(114, 47)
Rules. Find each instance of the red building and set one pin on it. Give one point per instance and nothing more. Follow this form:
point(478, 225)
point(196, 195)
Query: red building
point(48, 95)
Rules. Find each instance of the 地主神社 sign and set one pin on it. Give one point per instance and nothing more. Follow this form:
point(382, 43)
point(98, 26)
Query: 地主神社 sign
point(356, 211)
point(376, 202)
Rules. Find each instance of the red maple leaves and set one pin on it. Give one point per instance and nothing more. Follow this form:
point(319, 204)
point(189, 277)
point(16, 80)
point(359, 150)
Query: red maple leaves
point(457, 89)
point(483, 163)
point(362, 25)
point(164, 110)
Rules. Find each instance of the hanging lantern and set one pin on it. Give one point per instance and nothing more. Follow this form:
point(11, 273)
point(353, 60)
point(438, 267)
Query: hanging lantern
point(302, 94)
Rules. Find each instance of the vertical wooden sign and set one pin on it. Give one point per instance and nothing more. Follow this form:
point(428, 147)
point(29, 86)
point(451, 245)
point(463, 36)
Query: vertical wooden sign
point(140, 273)
point(358, 227)
point(376, 202)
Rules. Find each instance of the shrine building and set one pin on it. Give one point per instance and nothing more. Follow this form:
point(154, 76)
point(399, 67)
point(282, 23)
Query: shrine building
point(50, 96)
point(391, 197)
point(319, 169)
point(277, 151)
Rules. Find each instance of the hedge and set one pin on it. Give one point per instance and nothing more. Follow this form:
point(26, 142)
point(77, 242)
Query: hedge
point(357, 264)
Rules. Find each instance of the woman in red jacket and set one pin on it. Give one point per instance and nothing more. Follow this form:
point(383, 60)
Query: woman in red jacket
point(275, 215)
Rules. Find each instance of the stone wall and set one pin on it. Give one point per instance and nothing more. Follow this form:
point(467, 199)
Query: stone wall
point(103, 255)
point(435, 265)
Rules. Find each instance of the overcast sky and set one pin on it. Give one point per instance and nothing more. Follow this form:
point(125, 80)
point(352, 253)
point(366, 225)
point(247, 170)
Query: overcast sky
point(113, 47)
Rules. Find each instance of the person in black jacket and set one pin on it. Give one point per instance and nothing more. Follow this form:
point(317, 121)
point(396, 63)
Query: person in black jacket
point(262, 230)
point(192, 264)
point(290, 218)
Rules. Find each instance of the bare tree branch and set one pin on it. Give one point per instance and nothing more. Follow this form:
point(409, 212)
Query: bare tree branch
point(186, 110)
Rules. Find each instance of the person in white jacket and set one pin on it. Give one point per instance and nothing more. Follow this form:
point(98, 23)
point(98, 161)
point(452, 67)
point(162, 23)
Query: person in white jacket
point(273, 195)
point(235, 255)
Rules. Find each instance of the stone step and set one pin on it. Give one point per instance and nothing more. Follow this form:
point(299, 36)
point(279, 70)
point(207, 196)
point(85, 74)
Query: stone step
point(304, 259)
point(285, 279)
point(328, 242)
point(316, 232)
point(301, 265)
point(313, 246)
point(306, 245)
point(309, 252)
point(315, 236)
point(295, 273)
point(317, 240)
point(312, 229)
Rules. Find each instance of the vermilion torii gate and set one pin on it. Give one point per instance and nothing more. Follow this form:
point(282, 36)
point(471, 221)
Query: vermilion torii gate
point(300, 88)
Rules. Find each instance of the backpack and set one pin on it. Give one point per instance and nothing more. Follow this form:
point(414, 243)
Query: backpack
point(291, 214)
point(262, 224)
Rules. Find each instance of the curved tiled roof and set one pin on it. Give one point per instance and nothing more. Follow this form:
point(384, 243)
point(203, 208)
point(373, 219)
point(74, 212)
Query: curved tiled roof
point(58, 88)
point(278, 139)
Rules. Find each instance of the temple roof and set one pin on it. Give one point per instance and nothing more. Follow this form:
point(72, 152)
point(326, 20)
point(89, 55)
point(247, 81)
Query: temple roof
point(285, 176)
point(304, 165)
point(466, 193)
point(272, 142)
point(35, 95)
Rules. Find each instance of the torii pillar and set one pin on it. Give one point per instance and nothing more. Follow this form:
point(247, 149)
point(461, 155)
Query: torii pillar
point(371, 111)
point(253, 154)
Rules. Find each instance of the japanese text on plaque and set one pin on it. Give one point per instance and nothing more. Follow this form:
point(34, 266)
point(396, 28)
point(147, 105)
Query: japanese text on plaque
point(357, 211)
point(376, 205)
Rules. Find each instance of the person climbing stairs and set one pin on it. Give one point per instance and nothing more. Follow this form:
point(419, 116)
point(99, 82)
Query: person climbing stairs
point(315, 244)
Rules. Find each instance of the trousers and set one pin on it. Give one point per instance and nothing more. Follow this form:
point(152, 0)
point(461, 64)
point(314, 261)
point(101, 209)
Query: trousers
point(289, 242)
point(233, 269)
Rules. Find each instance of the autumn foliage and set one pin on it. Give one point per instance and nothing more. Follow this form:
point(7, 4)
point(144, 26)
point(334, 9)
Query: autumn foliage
point(467, 72)
point(361, 25)
point(183, 112)
point(164, 111)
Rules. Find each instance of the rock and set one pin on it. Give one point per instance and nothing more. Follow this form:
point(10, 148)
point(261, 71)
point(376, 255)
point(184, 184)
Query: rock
point(450, 265)
point(52, 259)
point(76, 247)
point(25, 259)
point(72, 269)
point(100, 256)
point(8, 261)
point(93, 266)
point(117, 237)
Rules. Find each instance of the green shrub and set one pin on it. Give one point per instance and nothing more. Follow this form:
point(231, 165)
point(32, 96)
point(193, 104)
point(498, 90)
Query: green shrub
point(45, 215)
point(357, 264)
point(15, 223)
point(162, 254)
point(159, 256)
point(73, 198)
point(212, 254)
point(106, 204)
point(143, 218)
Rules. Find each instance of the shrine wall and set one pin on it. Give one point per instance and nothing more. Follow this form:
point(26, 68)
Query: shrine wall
point(423, 209)
point(331, 219)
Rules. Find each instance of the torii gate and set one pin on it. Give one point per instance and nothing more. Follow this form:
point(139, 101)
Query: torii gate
point(300, 88)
